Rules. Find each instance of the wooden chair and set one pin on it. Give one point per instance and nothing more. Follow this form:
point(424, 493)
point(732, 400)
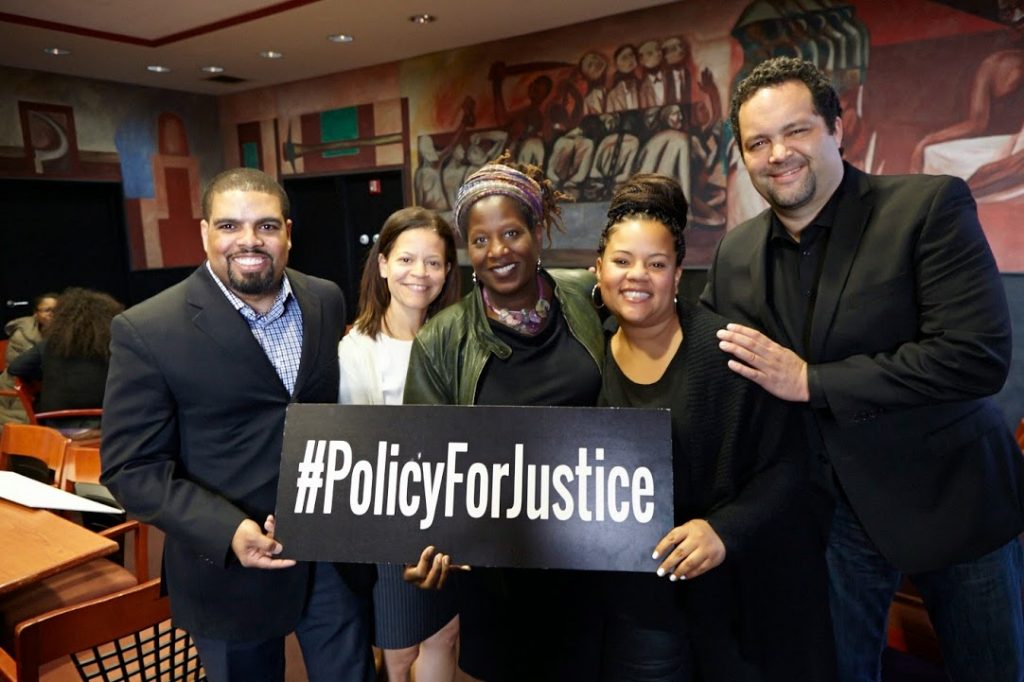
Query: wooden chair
point(74, 586)
point(36, 442)
point(78, 584)
point(82, 465)
point(28, 391)
point(122, 636)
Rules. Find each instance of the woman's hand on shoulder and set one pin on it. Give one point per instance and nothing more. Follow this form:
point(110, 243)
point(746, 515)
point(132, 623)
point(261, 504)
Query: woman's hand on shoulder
point(689, 550)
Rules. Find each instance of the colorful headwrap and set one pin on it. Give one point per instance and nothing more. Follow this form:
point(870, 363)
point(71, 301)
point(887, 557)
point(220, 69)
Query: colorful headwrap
point(498, 179)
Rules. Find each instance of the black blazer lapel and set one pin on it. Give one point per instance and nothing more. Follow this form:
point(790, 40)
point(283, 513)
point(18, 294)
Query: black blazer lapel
point(214, 316)
point(852, 216)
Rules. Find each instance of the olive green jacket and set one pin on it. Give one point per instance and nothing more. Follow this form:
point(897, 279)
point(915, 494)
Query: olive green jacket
point(450, 351)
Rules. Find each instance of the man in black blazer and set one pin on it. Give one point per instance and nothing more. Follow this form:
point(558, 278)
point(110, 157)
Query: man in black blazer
point(193, 420)
point(883, 313)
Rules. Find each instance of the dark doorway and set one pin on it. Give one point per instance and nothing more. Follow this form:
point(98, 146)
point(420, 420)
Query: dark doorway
point(57, 234)
point(335, 220)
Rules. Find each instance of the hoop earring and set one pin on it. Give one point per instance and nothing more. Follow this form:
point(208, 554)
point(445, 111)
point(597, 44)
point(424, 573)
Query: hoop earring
point(596, 298)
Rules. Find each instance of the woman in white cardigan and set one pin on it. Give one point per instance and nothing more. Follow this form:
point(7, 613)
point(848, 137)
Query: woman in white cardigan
point(410, 274)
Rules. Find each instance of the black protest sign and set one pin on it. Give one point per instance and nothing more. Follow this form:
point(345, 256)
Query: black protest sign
point(530, 487)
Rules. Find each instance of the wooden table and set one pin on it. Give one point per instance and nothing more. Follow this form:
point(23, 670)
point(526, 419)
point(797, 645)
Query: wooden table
point(37, 543)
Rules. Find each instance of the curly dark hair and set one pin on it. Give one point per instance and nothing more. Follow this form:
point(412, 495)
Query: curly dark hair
point(374, 295)
point(652, 197)
point(781, 70)
point(81, 324)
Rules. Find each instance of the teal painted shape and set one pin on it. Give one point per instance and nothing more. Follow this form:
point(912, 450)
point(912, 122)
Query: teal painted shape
point(338, 125)
point(250, 155)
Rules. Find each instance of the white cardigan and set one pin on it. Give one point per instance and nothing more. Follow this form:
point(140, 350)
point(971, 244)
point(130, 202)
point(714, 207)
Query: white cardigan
point(363, 366)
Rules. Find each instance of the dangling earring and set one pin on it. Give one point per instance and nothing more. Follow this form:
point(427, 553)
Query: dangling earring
point(538, 262)
point(474, 278)
point(596, 298)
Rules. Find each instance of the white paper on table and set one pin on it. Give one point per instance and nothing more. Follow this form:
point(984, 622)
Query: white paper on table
point(32, 493)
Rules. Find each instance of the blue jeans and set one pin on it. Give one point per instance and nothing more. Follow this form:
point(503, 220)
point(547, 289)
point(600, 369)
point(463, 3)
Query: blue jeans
point(975, 607)
point(333, 632)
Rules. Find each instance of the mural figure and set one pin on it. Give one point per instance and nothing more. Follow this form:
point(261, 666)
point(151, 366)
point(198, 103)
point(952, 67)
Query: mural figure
point(572, 156)
point(625, 92)
point(435, 173)
point(593, 70)
point(981, 148)
point(652, 85)
point(427, 181)
point(679, 70)
point(667, 152)
point(708, 155)
point(613, 162)
point(527, 127)
point(588, 137)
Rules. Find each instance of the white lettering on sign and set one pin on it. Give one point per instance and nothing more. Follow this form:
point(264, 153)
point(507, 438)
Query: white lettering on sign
point(590, 490)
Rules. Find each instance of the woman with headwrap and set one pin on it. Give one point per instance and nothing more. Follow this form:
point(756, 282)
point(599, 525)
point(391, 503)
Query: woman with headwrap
point(523, 336)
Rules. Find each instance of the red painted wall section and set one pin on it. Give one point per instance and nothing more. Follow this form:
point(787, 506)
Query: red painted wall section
point(179, 232)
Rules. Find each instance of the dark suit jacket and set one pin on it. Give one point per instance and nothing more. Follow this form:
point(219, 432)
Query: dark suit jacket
point(193, 421)
point(910, 336)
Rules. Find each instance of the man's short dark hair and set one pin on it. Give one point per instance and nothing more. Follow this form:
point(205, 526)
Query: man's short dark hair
point(244, 180)
point(783, 70)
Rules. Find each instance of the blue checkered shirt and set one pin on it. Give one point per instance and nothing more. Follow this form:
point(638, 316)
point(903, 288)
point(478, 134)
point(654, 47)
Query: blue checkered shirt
point(279, 332)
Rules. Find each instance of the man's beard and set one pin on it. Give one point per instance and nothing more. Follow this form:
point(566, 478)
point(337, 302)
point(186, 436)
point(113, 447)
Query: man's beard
point(253, 283)
point(792, 196)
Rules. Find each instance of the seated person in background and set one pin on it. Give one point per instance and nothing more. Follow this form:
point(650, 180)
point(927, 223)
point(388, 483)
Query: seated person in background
point(23, 333)
point(72, 360)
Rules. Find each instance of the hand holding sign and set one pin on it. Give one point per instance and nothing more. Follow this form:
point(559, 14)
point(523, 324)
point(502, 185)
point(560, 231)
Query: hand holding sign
point(698, 549)
point(256, 550)
point(431, 571)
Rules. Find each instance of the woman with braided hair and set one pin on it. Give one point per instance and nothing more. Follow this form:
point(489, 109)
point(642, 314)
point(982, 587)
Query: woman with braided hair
point(737, 589)
point(523, 335)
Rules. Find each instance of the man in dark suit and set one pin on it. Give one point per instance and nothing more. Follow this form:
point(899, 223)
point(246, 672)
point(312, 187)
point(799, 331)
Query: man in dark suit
point(884, 315)
point(193, 421)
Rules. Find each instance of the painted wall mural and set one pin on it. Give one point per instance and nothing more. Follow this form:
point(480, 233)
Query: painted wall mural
point(926, 85)
point(932, 86)
point(159, 144)
point(330, 141)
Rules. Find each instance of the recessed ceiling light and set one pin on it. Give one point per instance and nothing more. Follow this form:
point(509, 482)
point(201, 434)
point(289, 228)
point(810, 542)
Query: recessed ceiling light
point(271, 54)
point(422, 18)
point(56, 51)
point(340, 38)
point(156, 68)
point(213, 69)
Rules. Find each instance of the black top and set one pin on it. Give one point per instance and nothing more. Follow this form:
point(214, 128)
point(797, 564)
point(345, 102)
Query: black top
point(550, 368)
point(68, 383)
point(729, 464)
point(793, 275)
point(795, 269)
point(736, 466)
